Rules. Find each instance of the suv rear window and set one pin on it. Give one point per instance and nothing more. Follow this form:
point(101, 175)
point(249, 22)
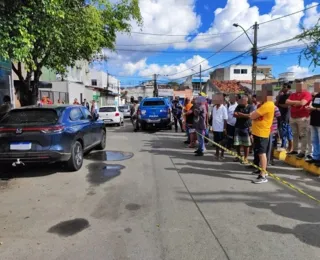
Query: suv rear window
point(30, 117)
point(152, 103)
point(107, 109)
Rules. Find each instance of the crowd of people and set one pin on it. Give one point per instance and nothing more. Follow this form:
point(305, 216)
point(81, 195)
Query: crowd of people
point(255, 123)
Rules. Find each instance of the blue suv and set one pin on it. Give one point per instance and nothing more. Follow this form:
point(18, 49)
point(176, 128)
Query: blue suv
point(155, 112)
point(50, 134)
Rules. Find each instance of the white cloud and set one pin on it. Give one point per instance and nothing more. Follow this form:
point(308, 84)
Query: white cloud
point(312, 16)
point(177, 71)
point(299, 72)
point(174, 17)
point(240, 11)
point(131, 68)
point(178, 17)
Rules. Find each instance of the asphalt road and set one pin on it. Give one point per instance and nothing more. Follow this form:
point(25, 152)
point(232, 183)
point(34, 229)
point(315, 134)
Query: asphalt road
point(155, 200)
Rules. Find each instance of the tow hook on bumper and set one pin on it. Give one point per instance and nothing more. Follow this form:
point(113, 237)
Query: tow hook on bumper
point(18, 162)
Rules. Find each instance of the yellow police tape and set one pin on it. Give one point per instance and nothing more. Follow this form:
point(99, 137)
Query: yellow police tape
point(291, 186)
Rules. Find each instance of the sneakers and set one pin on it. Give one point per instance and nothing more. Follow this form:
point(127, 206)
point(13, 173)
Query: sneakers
point(257, 171)
point(261, 179)
point(309, 157)
point(300, 155)
point(199, 154)
point(312, 161)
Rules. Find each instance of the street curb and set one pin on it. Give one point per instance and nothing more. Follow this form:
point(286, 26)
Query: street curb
point(297, 163)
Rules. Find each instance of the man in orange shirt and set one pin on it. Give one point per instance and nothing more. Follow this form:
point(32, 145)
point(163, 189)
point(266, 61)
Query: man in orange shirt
point(262, 120)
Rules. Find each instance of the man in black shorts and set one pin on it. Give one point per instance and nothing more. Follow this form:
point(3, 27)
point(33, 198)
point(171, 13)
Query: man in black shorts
point(262, 120)
point(242, 128)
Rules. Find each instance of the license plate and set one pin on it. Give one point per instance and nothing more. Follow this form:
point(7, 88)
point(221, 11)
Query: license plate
point(20, 146)
point(107, 120)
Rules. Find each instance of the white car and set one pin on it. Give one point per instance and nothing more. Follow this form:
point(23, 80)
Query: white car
point(111, 115)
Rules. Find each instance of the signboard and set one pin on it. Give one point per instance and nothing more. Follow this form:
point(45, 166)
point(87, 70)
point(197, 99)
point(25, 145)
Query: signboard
point(165, 92)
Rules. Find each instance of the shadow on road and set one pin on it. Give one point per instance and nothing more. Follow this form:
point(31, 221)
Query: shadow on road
point(31, 171)
point(306, 233)
point(279, 202)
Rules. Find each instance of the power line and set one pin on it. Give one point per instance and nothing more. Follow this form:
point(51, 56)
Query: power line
point(163, 43)
point(278, 18)
point(212, 54)
point(185, 52)
point(230, 60)
point(155, 51)
point(184, 35)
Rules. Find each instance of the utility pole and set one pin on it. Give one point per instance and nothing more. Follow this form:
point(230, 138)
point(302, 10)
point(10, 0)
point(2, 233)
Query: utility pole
point(107, 80)
point(200, 80)
point(155, 87)
point(118, 93)
point(254, 58)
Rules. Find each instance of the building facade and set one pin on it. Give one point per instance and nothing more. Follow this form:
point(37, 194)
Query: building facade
point(241, 72)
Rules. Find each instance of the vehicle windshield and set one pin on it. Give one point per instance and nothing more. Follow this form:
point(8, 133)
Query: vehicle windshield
point(30, 117)
point(152, 103)
point(123, 108)
point(107, 109)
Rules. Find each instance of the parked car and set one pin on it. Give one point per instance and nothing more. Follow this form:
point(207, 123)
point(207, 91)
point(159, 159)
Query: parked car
point(111, 115)
point(126, 110)
point(155, 112)
point(50, 134)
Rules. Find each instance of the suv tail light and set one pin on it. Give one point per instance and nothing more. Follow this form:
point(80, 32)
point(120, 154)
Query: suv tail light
point(45, 130)
point(117, 114)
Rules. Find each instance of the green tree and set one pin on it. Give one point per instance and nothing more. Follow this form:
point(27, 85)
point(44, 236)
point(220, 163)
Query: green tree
point(57, 33)
point(312, 38)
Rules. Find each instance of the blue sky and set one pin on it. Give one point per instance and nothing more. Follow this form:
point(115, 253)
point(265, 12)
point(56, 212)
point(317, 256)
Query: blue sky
point(195, 33)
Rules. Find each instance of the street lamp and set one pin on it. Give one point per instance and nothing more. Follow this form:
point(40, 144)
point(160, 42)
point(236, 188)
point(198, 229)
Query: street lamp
point(254, 53)
point(245, 31)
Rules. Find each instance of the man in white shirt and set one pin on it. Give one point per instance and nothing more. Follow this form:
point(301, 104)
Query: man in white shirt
point(231, 120)
point(219, 122)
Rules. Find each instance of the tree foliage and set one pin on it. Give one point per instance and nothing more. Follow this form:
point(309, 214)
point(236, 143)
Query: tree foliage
point(57, 33)
point(312, 38)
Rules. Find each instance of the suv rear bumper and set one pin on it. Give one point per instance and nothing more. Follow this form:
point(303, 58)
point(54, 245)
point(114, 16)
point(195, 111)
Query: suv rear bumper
point(34, 157)
point(162, 122)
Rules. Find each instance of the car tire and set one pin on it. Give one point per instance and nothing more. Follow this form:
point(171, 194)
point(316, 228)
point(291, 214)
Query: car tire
point(76, 160)
point(102, 144)
point(143, 126)
point(170, 126)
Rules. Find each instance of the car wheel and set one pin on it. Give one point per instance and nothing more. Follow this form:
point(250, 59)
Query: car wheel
point(76, 160)
point(102, 144)
point(143, 126)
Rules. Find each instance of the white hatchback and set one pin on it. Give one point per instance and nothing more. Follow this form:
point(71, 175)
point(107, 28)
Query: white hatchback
point(111, 115)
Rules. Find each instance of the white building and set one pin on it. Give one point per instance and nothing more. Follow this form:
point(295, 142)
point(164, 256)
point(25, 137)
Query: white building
point(241, 72)
point(105, 81)
point(141, 91)
point(287, 76)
